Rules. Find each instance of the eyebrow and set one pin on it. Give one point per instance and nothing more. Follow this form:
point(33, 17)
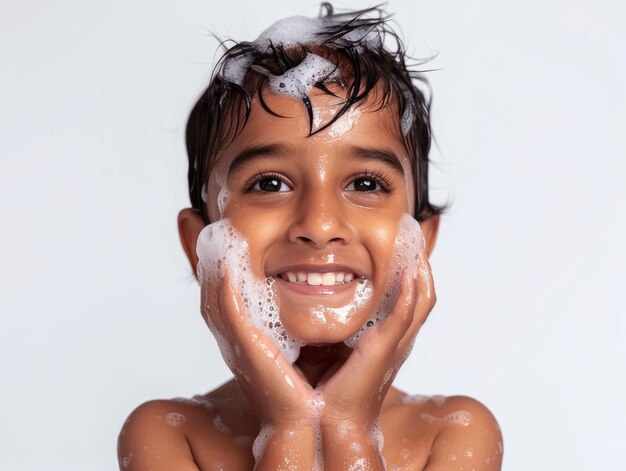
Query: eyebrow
point(249, 154)
point(381, 155)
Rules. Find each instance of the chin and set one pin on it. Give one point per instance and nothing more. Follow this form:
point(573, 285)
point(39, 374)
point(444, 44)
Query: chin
point(318, 332)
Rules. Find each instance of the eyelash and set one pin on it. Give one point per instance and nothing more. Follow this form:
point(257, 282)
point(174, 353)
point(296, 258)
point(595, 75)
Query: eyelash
point(262, 176)
point(381, 178)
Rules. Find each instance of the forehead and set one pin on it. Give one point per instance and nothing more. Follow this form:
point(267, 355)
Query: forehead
point(366, 125)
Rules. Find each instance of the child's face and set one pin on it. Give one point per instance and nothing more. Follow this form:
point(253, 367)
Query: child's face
point(331, 202)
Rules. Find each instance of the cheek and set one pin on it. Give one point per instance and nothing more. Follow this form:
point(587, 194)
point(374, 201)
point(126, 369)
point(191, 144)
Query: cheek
point(378, 235)
point(254, 227)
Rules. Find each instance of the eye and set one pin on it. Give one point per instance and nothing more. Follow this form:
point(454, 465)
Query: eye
point(268, 183)
point(363, 184)
point(369, 182)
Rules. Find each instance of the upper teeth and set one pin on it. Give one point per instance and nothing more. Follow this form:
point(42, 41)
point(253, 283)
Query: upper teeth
point(317, 279)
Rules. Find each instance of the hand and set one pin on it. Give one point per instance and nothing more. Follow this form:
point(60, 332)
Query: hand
point(276, 391)
point(356, 390)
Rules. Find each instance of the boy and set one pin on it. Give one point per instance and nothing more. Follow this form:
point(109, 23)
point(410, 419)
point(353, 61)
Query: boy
point(306, 152)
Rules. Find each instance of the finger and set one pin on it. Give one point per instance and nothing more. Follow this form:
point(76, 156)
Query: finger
point(211, 307)
point(375, 351)
point(426, 299)
point(258, 350)
point(396, 324)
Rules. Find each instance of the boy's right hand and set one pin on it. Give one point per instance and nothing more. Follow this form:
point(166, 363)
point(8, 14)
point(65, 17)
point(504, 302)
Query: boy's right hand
point(277, 392)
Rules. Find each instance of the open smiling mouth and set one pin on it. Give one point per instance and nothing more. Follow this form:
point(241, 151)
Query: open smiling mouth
point(317, 279)
point(317, 283)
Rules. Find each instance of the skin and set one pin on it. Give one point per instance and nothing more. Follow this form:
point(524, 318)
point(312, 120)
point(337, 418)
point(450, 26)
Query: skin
point(329, 206)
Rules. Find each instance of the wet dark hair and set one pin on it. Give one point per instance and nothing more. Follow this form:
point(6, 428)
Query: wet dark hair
point(355, 42)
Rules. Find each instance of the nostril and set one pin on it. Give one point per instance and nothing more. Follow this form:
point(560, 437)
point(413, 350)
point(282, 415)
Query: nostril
point(321, 243)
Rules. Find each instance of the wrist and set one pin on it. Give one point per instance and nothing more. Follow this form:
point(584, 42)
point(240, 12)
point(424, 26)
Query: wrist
point(285, 442)
point(351, 444)
point(353, 436)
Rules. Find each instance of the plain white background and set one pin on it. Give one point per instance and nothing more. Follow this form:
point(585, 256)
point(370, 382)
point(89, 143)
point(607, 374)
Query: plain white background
point(99, 308)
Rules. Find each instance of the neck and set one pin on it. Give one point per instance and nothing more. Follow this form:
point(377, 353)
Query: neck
point(320, 362)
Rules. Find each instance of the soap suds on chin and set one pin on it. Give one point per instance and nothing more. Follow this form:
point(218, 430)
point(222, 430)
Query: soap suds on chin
point(342, 314)
point(409, 244)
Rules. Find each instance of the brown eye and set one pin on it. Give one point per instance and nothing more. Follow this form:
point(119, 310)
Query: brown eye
point(269, 184)
point(364, 184)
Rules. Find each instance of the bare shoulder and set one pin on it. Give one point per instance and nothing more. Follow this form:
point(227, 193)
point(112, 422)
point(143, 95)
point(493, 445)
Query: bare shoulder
point(439, 433)
point(157, 435)
point(468, 436)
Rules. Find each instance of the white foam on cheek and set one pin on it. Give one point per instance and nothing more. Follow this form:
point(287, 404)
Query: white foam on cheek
point(409, 244)
point(223, 194)
point(219, 246)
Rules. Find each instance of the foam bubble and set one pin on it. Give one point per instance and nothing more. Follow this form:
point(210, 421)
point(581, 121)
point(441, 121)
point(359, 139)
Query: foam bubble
point(290, 32)
point(295, 30)
point(219, 246)
point(220, 425)
point(415, 399)
point(315, 406)
point(376, 437)
point(235, 69)
point(343, 314)
point(408, 115)
point(361, 464)
point(409, 244)
point(258, 447)
point(205, 402)
point(461, 417)
point(174, 419)
point(188, 401)
point(223, 194)
point(298, 81)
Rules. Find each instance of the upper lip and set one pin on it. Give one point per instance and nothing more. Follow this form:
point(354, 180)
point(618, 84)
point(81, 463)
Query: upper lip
point(322, 268)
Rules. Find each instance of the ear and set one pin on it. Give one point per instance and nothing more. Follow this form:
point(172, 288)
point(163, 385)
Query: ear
point(189, 226)
point(430, 229)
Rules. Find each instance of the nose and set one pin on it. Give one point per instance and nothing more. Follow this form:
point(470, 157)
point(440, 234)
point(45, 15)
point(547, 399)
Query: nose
point(319, 221)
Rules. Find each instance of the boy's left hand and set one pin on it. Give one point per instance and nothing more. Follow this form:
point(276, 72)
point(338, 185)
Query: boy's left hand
point(356, 391)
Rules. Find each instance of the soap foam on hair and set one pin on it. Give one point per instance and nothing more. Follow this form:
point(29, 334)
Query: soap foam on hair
point(298, 81)
point(409, 244)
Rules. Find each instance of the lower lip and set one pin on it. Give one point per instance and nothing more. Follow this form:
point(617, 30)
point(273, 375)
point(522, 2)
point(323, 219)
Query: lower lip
point(305, 288)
